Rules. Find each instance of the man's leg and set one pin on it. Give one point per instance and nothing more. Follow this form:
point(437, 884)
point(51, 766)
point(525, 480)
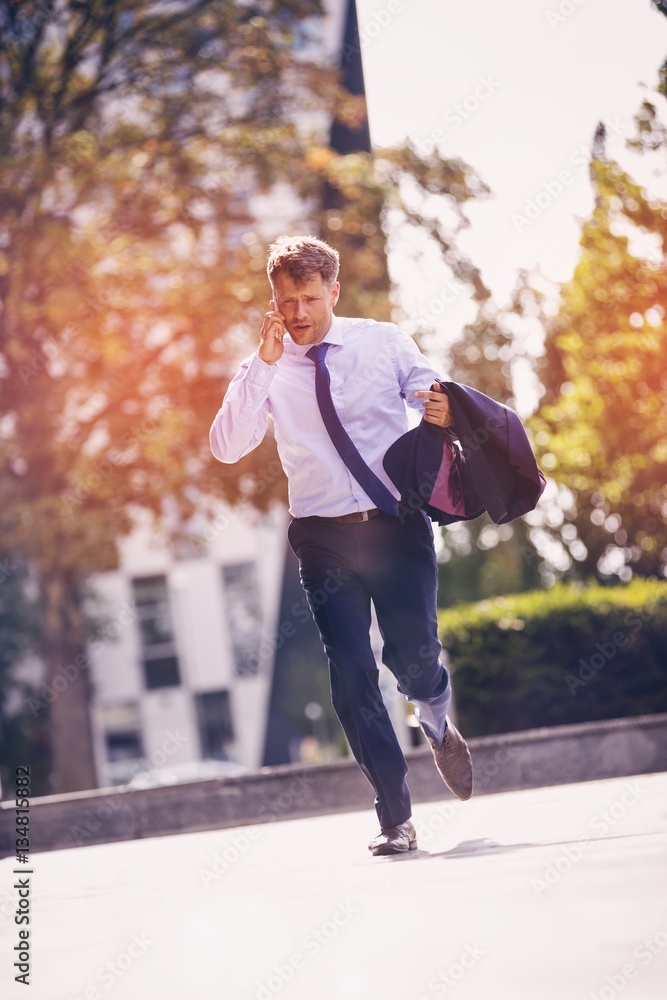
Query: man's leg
point(400, 571)
point(340, 603)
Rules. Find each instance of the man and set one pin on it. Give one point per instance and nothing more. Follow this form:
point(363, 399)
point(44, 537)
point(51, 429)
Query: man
point(336, 390)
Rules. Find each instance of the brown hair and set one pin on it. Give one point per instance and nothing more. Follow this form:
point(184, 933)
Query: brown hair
point(301, 257)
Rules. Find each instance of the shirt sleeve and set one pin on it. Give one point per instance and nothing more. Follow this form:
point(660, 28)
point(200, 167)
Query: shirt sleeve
point(414, 372)
point(240, 423)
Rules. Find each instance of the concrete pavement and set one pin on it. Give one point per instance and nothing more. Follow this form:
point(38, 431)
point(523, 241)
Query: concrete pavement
point(543, 894)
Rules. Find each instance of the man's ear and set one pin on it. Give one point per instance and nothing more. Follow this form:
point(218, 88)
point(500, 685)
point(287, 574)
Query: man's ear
point(335, 293)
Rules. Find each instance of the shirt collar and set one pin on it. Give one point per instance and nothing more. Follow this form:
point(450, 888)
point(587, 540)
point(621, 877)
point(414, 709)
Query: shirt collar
point(334, 335)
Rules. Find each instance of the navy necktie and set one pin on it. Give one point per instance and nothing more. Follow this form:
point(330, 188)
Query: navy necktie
point(374, 487)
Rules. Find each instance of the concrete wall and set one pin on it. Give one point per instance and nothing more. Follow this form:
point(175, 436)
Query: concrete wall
point(516, 760)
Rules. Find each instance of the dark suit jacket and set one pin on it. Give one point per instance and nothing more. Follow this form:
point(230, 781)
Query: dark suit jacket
point(492, 468)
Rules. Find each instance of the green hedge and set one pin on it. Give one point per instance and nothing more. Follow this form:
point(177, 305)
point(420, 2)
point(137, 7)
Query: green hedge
point(549, 657)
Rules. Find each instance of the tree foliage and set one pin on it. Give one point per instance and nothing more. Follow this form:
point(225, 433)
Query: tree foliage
point(602, 424)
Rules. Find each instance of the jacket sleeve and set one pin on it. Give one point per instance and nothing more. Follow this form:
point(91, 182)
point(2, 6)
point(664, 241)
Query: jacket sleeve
point(240, 423)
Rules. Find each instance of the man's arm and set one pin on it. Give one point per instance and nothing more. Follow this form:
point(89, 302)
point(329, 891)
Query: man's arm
point(415, 374)
point(240, 423)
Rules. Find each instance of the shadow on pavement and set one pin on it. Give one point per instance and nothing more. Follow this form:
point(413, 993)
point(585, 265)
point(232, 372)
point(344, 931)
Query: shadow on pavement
point(473, 848)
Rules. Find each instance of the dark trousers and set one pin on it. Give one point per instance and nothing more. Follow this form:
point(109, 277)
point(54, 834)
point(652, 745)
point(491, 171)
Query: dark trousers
point(390, 561)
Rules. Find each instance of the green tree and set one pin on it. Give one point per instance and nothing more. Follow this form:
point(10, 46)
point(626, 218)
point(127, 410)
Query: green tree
point(602, 423)
point(603, 417)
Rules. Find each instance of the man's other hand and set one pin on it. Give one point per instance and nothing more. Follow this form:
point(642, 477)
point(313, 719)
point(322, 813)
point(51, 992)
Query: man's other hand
point(436, 406)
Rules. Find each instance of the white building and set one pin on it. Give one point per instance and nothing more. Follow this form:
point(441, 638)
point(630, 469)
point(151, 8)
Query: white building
point(184, 669)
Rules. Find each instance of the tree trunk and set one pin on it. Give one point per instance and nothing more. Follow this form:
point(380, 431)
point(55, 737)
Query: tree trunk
point(67, 688)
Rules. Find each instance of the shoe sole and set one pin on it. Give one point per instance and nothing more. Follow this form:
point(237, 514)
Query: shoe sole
point(385, 851)
point(463, 794)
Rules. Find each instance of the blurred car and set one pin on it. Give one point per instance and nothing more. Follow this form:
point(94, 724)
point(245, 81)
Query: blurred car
point(195, 770)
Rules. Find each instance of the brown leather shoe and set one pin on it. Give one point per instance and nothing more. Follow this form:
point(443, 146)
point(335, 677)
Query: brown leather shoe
point(395, 839)
point(453, 761)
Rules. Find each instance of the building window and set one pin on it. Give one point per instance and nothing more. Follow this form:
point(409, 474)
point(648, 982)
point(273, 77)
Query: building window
point(214, 717)
point(158, 648)
point(244, 615)
point(123, 746)
point(121, 729)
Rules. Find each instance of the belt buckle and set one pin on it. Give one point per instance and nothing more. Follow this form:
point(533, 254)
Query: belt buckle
point(364, 515)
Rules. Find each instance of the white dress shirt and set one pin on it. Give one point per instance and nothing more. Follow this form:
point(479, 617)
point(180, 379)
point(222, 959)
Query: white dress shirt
point(375, 370)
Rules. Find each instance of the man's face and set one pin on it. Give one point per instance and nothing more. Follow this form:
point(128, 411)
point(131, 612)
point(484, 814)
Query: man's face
point(307, 308)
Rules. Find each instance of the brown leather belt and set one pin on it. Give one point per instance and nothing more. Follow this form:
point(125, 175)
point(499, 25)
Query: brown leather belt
point(358, 515)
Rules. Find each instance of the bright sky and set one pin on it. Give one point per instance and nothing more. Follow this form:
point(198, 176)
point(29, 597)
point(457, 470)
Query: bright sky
point(531, 92)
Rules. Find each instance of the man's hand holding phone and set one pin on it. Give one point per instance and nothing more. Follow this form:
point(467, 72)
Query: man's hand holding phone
point(271, 335)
